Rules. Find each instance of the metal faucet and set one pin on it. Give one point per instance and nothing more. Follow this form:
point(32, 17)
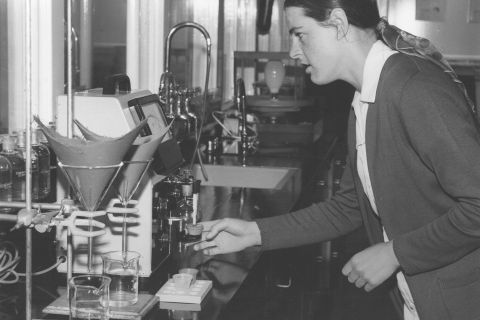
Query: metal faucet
point(189, 94)
point(167, 74)
point(166, 91)
point(242, 108)
point(167, 80)
point(179, 26)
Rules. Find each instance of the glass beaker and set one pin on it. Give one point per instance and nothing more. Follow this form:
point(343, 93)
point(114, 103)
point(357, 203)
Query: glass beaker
point(122, 268)
point(89, 297)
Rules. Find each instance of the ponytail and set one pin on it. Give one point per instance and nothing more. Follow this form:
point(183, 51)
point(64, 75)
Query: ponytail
point(407, 43)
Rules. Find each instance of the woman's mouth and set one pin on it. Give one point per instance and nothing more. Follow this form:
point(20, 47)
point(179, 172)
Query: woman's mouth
point(308, 69)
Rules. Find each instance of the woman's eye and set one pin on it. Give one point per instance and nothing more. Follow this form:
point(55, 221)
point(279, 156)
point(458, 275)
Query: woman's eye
point(299, 35)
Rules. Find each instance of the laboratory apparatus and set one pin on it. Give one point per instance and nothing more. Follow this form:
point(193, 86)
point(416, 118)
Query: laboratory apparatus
point(111, 114)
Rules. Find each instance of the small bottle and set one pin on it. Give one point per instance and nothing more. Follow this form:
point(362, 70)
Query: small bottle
point(193, 230)
point(18, 168)
point(5, 183)
point(185, 207)
point(43, 165)
point(21, 147)
point(196, 214)
point(180, 125)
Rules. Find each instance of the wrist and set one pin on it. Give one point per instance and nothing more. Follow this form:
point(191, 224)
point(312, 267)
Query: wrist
point(254, 230)
point(392, 254)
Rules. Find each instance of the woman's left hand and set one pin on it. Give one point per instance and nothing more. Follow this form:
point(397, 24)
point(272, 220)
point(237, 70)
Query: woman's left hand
point(371, 267)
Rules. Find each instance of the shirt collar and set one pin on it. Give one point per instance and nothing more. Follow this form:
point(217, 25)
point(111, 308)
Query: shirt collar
point(376, 58)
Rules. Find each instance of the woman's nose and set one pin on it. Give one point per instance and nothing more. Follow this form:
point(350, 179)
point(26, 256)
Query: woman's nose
point(295, 51)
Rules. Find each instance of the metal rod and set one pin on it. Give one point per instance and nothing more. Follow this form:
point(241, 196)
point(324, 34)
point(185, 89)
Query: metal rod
point(8, 217)
point(124, 233)
point(28, 167)
point(46, 206)
point(90, 249)
point(125, 197)
point(86, 47)
point(69, 125)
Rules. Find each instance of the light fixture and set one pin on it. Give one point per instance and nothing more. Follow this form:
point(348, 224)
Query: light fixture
point(274, 75)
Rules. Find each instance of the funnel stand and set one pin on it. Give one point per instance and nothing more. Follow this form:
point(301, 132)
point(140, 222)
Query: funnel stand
point(90, 187)
point(125, 195)
point(133, 175)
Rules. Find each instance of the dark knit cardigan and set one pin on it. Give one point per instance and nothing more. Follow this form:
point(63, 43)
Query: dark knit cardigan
point(423, 153)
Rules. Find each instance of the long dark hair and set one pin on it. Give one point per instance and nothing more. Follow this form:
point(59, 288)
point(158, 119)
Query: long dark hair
point(360, 13)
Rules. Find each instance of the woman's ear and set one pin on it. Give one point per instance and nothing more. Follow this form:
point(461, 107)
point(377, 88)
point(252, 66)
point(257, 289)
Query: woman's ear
point(338, 19)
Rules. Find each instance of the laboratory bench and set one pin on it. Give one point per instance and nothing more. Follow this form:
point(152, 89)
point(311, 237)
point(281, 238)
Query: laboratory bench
point(298, 283)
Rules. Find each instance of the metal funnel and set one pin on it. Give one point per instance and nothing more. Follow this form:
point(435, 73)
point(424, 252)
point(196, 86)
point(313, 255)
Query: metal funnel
point(90, 166)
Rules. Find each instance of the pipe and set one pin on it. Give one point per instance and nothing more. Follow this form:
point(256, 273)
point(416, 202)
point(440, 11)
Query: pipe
point(179, 26)
point(69, 71)
point(46, 206)
point(28, 167)
point(8, 217)
point(208, 42)
point(86, 47)
point(70, 103)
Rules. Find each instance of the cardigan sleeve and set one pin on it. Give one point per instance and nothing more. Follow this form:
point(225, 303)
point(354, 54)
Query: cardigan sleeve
point(318, 222)
point(441, 130)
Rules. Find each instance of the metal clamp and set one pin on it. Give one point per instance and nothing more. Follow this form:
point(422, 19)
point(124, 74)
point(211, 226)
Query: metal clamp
point(84, 219)
point(123, 211)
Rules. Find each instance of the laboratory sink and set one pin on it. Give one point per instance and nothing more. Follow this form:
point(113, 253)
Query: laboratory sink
point(258, 177)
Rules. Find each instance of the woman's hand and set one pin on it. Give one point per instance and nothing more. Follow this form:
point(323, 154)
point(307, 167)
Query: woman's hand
point(228, 235)
point(371, 267)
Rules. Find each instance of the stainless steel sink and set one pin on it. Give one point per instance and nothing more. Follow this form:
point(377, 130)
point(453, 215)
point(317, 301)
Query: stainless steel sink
point(248, 177)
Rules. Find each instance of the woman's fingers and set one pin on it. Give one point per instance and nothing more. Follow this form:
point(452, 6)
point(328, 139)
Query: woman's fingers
point(204, 244)
point(215, 228)
point(360, 283)
point(208, 248)
point(207, 225)
point(211, 251)
point(224, 236)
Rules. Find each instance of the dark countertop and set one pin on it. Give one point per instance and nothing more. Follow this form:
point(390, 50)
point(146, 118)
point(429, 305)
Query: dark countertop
point(227, 272)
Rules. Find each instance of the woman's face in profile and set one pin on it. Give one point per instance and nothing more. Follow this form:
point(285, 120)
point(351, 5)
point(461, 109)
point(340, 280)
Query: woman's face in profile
point(315, 45)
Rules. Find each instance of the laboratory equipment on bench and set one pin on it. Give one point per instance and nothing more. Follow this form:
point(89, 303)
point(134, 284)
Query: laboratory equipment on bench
point(135, 166)
point(184, 287)
point(90, 168)
point(122, 268)
point(85, 303)
point(111, 113)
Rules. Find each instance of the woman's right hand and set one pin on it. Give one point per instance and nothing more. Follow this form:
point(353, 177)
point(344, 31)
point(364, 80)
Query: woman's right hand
point(228, 235)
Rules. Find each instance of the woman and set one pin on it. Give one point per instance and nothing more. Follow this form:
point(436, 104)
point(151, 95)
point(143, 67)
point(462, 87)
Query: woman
point(413, 171)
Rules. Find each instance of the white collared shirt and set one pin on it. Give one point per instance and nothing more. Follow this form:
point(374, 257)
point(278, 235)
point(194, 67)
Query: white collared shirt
point(376, 58)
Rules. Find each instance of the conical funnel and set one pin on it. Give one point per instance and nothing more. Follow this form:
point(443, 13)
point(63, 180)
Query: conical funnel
point(90, 135)
point(90, 165)
point(135, 163)
point(90, 183)
point(79, 152)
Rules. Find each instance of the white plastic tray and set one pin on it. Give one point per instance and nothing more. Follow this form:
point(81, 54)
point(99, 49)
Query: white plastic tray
point(195, 294)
